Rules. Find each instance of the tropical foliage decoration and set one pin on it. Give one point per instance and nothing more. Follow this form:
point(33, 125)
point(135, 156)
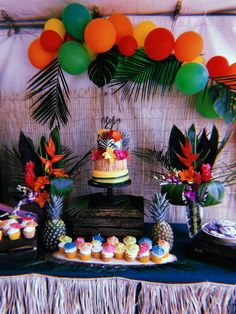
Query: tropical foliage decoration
point(134, 59)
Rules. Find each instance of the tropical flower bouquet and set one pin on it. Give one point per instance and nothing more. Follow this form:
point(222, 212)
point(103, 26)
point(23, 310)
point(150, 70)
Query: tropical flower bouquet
point(188, 178)
point(45, 181)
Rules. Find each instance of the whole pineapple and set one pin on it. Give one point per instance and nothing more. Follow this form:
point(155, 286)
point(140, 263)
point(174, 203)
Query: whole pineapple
point(54, 227)
point(158, 210)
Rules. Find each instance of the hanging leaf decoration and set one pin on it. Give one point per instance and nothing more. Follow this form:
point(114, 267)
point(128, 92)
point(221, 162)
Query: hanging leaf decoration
point(103, 68)
point(223, 95)
point(138, 75)
point(51, 87)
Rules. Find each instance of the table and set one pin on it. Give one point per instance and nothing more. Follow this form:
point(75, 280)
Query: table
point(192, 285)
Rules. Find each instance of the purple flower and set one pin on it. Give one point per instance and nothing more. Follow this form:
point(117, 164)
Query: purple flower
point(190, 195)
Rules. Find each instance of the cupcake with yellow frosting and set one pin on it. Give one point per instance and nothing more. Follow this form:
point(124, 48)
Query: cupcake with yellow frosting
point(157, 254)
point(0, 235)
point(113, 240)
point(131, 252)
point(166, 247)
point(85, 251)
point(129, 240)
point(96, 249)
point(119, 250)
point(70, 250)
point(144, 254)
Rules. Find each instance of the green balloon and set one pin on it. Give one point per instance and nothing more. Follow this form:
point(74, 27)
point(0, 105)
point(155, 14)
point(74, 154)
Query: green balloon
point(205, 106)
point(191, 78)
point(75, 17)
point(73, 57)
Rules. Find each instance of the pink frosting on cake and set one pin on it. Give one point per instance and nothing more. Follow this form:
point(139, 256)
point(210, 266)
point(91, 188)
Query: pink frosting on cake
point(108, 247)
point(143, 248)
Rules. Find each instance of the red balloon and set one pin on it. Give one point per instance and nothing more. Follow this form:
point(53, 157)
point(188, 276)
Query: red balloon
point(50, 40)
point(127, 45)
point(159, 44)
point(217, 66)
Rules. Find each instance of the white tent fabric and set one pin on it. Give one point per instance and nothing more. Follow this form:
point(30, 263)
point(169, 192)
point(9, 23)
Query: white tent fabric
point(25, 9)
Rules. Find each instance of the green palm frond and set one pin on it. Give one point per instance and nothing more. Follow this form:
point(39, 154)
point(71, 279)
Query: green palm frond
point(50, 85)
point(103, 68)
point(152, 155)
point(222, 93)
point(139, 76)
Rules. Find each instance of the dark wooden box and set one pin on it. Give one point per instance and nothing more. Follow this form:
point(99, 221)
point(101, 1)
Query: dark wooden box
point(114, 215)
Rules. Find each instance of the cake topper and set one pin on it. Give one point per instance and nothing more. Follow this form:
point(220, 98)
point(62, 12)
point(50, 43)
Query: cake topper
point(109, 123)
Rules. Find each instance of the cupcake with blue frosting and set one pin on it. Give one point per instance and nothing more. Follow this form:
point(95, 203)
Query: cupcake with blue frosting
point(157, 254)
point(70, 250)
point(146, 240)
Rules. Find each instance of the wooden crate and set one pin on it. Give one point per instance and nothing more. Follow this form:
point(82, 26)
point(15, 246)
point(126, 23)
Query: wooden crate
point(106, 218)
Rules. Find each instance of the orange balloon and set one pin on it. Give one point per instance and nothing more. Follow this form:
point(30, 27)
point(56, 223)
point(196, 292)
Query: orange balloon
point(188, 46)
point(100, 35)
point(122, 25)
point(39, 57)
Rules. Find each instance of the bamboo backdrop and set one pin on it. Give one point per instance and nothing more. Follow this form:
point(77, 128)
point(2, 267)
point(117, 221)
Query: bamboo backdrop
point(148, 125)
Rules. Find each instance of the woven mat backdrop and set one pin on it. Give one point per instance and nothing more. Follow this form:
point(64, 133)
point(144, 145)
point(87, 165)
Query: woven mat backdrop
point(148, 125)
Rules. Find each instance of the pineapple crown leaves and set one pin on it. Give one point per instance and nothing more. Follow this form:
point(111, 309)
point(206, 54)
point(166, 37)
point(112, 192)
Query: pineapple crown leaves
point(158, 207)
point(55, 206)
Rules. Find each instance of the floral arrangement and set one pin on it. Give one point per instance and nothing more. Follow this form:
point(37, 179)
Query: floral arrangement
point(112, 145)
point(44, 173)
point(188, 179)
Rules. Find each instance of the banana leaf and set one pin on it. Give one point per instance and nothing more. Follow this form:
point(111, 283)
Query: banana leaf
point(211, 193)
point(174, 193)
point(61, 186)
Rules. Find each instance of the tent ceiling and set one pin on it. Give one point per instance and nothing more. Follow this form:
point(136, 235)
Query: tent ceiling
point(43, 9)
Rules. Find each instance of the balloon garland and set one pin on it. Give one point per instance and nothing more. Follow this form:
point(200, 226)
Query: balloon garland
point(78, 39)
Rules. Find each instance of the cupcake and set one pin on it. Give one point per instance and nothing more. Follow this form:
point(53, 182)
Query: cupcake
point(146, 240)
point(26, 220)
point(113, 240)
point(14, 231)
point(5, 226)
point(63, 240)
point(85, 251)
point(0, 235)
point(129, 240)
point(98, 237)
point(79, 243)
point(143, 253)
point(70, 250)
point(166, 247)
point(96, 249)
point(107, 252)
point(29, 232)
point(131, 252)
point(119, 250)
point(157, 254)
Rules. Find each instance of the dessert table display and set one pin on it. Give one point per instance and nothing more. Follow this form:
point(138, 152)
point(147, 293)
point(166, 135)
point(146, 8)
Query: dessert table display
point(195, 283)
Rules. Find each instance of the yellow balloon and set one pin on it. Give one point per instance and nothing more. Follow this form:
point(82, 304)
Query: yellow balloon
point(92, 54)
point(142, 30)
point(199, 59)
point(55, 25)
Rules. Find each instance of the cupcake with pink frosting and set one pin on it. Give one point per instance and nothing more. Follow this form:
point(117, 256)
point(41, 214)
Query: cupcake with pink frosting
point(107, 252)
point(79, 243)
point(143, 253)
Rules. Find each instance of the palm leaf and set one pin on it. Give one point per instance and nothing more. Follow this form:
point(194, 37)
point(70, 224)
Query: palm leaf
point(139, 76)
point(51, 87)
point(174, 147)
point(174, 193)
point(103, 68)
point(152, 155)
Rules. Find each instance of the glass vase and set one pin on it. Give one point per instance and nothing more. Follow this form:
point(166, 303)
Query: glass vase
point(194, 218)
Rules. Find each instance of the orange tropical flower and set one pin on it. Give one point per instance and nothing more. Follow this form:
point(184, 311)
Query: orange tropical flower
point(115, 135)
point(48, 163)
point(187, 175)
point(42, 198)
point(40, 183)
point(50, 148)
